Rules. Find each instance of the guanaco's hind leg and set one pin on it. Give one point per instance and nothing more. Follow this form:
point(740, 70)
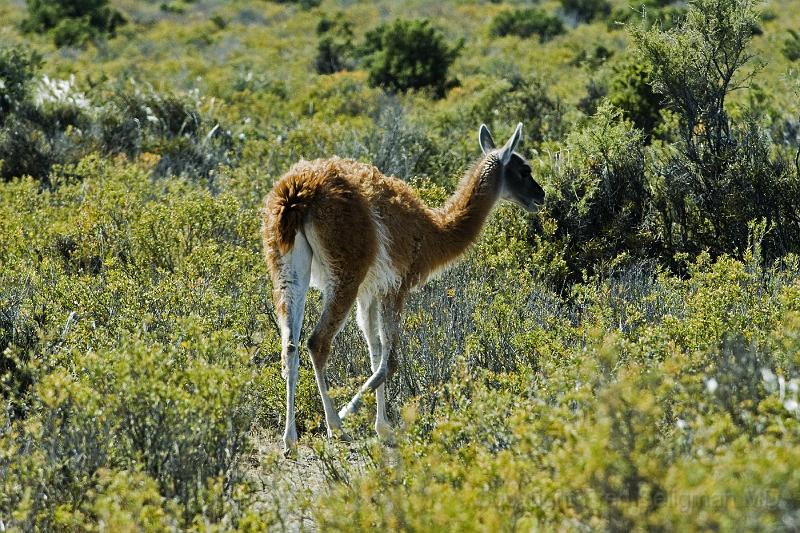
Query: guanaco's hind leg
point(387, 324)
point(369, 320)
point(337, 302)
point(292, 272)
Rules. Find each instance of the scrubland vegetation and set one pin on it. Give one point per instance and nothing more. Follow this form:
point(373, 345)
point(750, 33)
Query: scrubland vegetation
point(626, 359)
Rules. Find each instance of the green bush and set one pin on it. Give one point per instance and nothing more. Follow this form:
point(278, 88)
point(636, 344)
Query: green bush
point(189, 142)
point(586, 10)
point(185, 425)
point(526, 22)
point(697, 64)
point(406, 55)
point(18, 67)
point(71, 22)
point(528, 97)
point(335, 50)
point(37, 137)
point(650, 13)
point(598, 194)
point(305, 4)
point(19, 336)
point(791, 46)
point(631, 91)
point(64, 124)
point(72, 32)
point(725, 175)
point(611, 438)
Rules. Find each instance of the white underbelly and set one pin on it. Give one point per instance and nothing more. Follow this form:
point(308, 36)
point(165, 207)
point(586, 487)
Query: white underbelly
point(381, 278)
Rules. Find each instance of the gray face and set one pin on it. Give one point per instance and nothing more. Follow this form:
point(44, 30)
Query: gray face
point(519, 185)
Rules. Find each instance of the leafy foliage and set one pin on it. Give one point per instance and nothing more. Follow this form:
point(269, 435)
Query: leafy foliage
point(526, 22)
point(18, 67)
point(61, 124)
point(791, 46)
point(598, 192)
point(631, 91)
point(725, 175)
point(695, 66)
point(409, 54)
point(610, 439)
point(335, 49)
point(624, 359)
point(586, 10)
point(72, 22)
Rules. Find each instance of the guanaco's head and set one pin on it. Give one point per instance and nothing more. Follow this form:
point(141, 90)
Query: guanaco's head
point(517, 183)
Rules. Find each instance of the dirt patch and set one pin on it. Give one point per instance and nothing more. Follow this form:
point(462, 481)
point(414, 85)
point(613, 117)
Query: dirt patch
point(289, 488)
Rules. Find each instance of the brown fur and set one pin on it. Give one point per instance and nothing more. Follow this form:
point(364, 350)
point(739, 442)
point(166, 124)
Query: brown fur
point(350, 216)
point(292, 197)
point(338, 195)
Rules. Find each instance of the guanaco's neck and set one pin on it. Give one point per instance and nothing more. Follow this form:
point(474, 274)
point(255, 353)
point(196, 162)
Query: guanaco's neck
point(460, 220)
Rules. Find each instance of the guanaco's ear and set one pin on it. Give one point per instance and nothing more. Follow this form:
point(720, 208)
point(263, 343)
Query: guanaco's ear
point(485, 139)
point(511, 145)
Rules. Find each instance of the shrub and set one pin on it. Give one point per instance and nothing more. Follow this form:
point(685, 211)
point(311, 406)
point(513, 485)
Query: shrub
point(791, 46)
point(184, 423)
point(19, 336)
point(653, 13)
point(305, 4)
point(396, 146)
point(586, 10)
point(406, 55)
point(527, 97)
point(598, 192)
point(30, 144)
point(18, 67)
point(526, 22)
point(61, 125)
point(72, 32)
point(72, 22)
point(725, 175)
point(335, 49)
point(49, 130)
point(697, 64)
point(610, 431)
point(631, 91)
point(710, 205)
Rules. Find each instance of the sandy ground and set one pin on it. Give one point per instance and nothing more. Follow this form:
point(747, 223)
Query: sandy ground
point(288, 488)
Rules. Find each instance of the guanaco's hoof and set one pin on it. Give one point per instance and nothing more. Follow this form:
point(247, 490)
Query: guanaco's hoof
point(290, 452)
point(339, 435)
point(384, 431)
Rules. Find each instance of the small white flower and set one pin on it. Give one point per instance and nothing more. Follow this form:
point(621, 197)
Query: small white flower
point(791, 405)
point(151, 116)
point(711, 385)
point(681, 423)
point(767, 375)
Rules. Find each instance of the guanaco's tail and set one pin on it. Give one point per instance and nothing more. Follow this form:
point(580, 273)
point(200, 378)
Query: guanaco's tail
point(287, 206)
